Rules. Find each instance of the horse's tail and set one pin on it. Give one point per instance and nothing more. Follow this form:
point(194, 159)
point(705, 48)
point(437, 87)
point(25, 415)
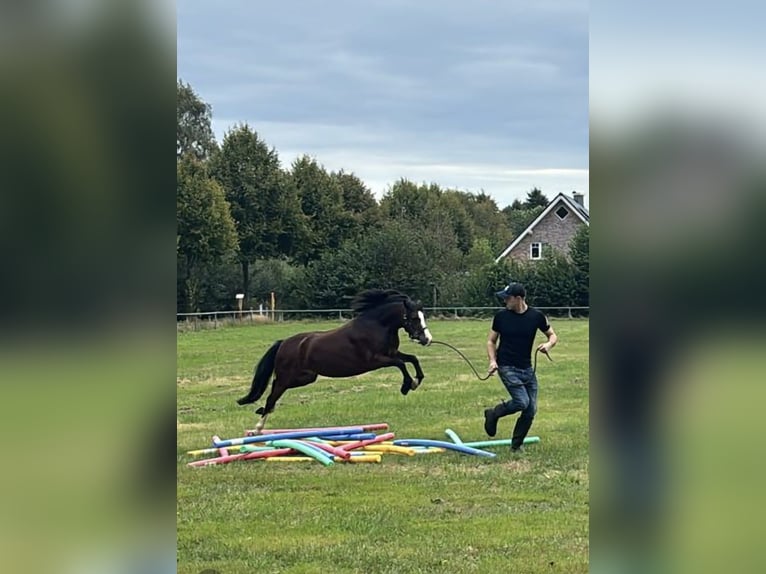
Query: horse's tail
point(262, 376)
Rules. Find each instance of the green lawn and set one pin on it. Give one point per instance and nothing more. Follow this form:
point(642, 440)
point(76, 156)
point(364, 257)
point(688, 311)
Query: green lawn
point(435, 513)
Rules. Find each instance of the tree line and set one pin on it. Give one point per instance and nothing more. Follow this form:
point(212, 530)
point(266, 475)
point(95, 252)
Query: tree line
point(247, 224)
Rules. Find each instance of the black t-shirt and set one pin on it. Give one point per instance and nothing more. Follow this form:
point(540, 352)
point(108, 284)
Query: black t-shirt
point(517, 335)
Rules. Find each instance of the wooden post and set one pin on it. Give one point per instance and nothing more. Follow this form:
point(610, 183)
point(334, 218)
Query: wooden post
point(273, 307)
point(240, 300)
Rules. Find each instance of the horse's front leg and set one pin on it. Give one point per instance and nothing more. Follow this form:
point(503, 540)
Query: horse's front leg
point(418, 371)
point(395, 361)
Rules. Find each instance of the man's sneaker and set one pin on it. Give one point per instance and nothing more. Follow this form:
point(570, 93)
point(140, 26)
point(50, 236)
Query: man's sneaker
point(490, 422)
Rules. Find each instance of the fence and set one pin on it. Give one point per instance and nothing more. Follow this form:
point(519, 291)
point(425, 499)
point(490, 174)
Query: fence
point(212, 319)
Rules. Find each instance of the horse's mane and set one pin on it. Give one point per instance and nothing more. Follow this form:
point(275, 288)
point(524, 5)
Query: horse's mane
point(372, 299)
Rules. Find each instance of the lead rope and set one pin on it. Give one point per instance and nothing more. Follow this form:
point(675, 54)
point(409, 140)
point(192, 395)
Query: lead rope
point(534, 370)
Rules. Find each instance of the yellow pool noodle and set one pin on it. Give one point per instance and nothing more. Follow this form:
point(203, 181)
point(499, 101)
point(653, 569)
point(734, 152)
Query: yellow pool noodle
point(363, 458)
point(389, 448)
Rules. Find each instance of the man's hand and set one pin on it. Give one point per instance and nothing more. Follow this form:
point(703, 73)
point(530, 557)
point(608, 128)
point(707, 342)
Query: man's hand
point(492, 367)
point(544, 348)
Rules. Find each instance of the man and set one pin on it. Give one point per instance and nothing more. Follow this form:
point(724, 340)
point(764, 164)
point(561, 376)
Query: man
point(516, 327)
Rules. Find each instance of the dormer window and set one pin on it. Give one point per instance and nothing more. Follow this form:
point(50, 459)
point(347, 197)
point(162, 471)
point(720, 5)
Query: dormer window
point(562, 212)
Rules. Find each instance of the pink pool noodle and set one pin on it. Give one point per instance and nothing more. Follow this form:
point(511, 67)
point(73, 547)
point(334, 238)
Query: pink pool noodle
point(336, 451)
point(365, 428)
point(357, 444)
point(223, 451)
point(243, 456)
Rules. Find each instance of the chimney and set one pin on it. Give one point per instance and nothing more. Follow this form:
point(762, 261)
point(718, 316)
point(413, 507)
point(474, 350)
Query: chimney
point(579, 198)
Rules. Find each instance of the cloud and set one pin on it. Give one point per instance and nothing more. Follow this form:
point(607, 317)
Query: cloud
point(451, 88)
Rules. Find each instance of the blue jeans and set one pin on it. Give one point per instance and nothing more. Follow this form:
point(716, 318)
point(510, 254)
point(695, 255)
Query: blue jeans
point(521, 384)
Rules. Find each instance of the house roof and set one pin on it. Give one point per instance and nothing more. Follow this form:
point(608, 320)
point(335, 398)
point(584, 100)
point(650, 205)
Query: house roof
point(577, 209)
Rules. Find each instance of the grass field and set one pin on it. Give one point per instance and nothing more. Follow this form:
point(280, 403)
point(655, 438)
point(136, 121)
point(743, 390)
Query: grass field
point(440, 513)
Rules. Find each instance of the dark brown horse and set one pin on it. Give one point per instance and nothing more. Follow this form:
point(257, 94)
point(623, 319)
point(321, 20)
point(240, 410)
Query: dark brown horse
point(368, 342)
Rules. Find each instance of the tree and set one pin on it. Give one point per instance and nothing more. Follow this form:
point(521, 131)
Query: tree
point(320, 195)
point(489, 223)
point(480, 288)
point(205, 228)
point(334, 278)
point(453, 206)
point(398, 256)
point(519, 219)
point(431, 209)
point(357, 197)
point(358, 201)
point(278, 276)
point(406, 200)
point(194, 134)
point(551, 281)
point(480, 255)
point(264, 202)
point(579, 253)
point(535, 198)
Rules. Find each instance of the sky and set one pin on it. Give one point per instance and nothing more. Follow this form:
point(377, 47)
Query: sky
point(478, 96)
point(711, 66)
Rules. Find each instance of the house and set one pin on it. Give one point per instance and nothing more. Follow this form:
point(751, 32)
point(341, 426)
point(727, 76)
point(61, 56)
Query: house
point(555, 226)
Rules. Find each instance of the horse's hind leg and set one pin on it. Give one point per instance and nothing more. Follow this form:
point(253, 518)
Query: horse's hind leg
point(277, 390)
point(261, 421)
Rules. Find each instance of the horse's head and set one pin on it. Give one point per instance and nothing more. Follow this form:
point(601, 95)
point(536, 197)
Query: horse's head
point(415, 322)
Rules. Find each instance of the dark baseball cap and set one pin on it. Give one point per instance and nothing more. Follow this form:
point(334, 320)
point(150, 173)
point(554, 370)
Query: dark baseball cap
point(512, 290)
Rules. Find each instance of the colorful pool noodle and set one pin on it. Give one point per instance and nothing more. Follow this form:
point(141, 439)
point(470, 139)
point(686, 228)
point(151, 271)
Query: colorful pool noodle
point(388, 448)
point(246, 452)
point(353, 436)
point(341, 429)
point(334, 450)
point(453, 436)
point(428, 450)
point(359, 443)
point(256, 447)
point(482, 443)
point(251, 448)
point(353, 459)
point(243, 456)
point(222, 451)
point(500, 442)
point(305, 448)
point(257, 452)
point(443, 444)
point(272, 437)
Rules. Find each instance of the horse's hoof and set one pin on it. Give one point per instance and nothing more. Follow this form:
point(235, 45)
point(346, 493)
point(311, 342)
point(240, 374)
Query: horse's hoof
point(406, 387)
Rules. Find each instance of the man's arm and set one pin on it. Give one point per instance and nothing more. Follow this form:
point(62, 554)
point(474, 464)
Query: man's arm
point(492, 351)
